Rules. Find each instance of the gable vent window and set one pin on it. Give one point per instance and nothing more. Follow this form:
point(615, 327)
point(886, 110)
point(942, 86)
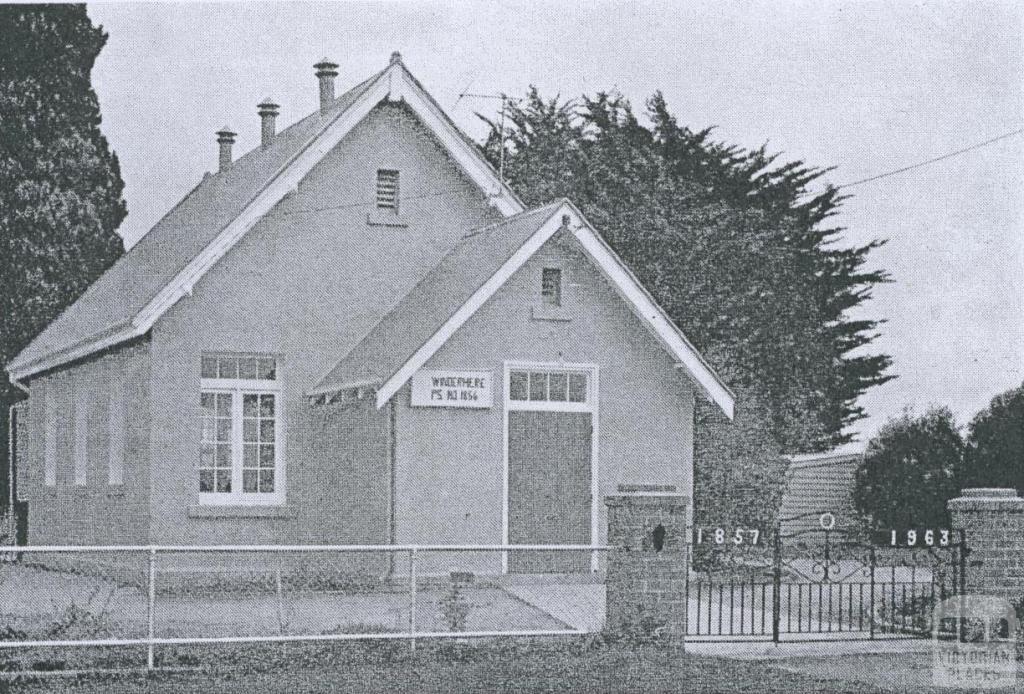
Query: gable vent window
point(387, 190)
point(551, 287)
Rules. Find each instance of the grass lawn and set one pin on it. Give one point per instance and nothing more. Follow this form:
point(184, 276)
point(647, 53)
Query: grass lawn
point(570, 665)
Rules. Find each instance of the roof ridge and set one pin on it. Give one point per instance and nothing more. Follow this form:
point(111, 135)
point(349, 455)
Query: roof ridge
point(214, 178)
point(164, 262)
point(359, 87)
point(513, 218)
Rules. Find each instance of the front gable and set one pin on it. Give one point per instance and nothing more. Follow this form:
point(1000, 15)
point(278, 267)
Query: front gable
point(604, 317)
point(469, 276)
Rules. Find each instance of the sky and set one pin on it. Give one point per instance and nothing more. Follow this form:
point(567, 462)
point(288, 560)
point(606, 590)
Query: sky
point(865, 87)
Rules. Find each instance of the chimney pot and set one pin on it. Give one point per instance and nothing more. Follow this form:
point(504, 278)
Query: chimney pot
point(396, 57)
point(225, 138)
point(268, 111)
point(326, 71)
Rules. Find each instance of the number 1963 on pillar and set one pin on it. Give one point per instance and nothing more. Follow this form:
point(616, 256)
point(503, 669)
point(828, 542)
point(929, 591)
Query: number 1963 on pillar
point(914, 537)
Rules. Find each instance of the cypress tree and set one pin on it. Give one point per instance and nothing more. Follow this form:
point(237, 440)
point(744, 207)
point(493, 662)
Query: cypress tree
point(732, 242)
point(60, 183)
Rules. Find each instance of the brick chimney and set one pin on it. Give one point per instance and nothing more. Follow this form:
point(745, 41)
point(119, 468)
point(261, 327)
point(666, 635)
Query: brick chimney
point(225, 138)
point(326, 71)
point(268, 111)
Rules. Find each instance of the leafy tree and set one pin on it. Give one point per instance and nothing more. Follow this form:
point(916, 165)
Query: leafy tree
point(739, 482)
point(60, 184)
point(995, 443)
point(910, 470)
point(732, 243)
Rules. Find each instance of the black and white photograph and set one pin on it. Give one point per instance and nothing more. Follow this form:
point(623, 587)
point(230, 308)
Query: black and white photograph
point(521, 346)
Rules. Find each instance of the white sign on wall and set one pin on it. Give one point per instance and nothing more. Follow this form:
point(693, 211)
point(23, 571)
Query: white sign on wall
point(451, 389)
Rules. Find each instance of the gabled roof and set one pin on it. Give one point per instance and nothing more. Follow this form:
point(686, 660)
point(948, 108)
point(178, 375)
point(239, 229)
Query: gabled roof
point(470, 274)
point(165, 264)
point(474, 260)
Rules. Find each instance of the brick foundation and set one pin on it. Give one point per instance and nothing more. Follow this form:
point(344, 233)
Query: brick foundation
point(646, 586)
point(993, 525)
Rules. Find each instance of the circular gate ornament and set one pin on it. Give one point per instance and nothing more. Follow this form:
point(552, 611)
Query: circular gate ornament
point(827, 521)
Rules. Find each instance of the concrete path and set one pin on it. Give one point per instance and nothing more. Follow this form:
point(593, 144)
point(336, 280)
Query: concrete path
point(32, 599)
point(766, 650)
point(580, 606)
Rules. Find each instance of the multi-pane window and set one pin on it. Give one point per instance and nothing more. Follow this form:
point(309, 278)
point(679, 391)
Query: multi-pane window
point(387, 189)
point(215, 458)
point(240, 455)
point(551, 286)
point(259, 442)
point(547, 386)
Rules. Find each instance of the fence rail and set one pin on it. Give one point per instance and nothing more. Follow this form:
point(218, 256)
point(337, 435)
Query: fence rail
point(316, 587)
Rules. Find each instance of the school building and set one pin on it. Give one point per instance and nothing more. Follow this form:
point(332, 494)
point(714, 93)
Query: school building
point(357, 333)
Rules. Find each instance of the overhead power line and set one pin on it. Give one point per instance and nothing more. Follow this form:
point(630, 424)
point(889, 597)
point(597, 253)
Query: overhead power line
point(948, 155)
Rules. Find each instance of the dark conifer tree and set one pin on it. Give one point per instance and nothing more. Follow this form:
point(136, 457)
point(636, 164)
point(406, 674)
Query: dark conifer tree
point(732, 242)
point(60, 184)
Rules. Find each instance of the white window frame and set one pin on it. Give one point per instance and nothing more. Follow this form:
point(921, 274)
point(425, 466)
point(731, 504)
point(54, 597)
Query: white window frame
point(237, 387)
point(590, 405)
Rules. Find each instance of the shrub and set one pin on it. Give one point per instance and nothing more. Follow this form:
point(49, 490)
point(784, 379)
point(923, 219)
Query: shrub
point(454, 605)
point(739, 472)
point(995, 443)
point(909, 472)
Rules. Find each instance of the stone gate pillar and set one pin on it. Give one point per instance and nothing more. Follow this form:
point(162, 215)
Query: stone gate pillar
point(647, 565)
point(993, 525)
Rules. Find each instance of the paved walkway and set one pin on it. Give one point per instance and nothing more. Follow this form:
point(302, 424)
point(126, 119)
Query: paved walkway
point(32, 599)
point(580, 606)
point(766, 650)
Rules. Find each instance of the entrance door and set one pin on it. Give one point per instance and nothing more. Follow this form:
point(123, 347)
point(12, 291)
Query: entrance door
point(549, 501)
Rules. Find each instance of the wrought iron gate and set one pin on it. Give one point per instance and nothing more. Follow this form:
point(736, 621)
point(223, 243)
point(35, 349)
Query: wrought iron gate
point(816, 585)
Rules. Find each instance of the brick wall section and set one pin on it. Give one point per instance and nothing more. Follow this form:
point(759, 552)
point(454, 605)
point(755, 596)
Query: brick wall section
point(993, 524)
point(644, 584)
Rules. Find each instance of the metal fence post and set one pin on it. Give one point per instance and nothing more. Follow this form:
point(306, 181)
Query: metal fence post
point(686, 584)
point(281, 625)
point(151, 630)
point(777, 584)
point(412, 598)
point(871, 613)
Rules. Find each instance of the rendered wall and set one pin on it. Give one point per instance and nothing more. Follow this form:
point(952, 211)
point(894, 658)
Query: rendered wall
point(97, 512)
point(450, 465)
point(306, 284)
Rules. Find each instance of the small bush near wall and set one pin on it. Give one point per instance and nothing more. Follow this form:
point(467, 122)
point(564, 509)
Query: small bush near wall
point(739, 472)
